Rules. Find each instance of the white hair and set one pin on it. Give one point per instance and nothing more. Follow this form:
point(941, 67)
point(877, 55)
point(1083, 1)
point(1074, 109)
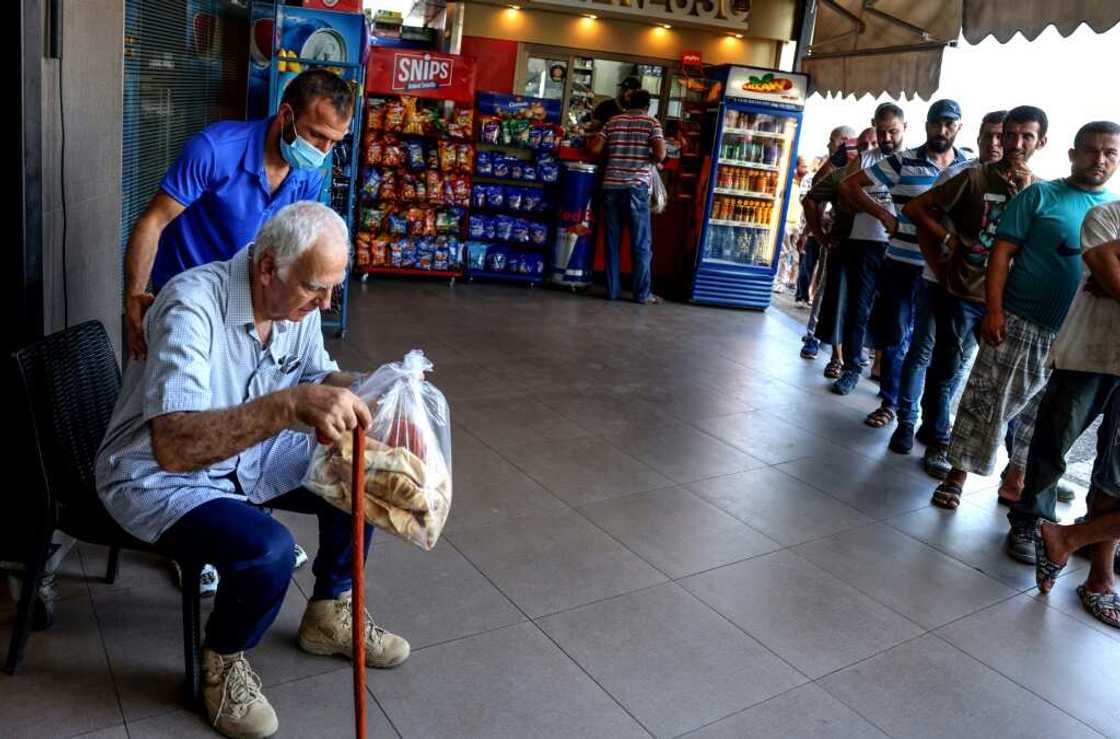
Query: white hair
point(846, 132)
point(296, 228)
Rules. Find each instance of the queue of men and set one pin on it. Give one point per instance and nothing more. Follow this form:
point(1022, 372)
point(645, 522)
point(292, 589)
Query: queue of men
point(977, 284)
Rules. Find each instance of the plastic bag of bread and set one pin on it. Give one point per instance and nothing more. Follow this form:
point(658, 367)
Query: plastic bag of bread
point(407, 457)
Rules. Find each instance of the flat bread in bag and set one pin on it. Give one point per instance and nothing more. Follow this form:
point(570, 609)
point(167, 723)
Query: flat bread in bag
point(407, 458)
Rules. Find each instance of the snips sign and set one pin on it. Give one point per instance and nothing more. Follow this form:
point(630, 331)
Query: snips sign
point(425, 74)
point(412, 72)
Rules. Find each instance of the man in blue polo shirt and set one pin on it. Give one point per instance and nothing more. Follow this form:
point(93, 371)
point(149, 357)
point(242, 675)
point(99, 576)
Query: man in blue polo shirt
point(226, 183)
point(906, 175)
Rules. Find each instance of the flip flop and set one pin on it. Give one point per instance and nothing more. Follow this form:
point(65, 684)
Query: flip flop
point(1105, 607)
point(1046, 570)
point(947, 496)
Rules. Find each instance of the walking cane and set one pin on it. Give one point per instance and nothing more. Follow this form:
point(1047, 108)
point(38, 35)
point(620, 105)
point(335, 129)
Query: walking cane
point(358, 598)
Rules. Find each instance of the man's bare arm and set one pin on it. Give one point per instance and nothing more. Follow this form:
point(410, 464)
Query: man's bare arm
point(191, 441)
point(852, 192)
point(143, 243)
point(1103, 262)
point(926, 216)
point(999, 265)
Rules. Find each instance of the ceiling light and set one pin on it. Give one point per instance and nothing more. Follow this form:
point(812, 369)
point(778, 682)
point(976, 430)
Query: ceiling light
point(664, 25)
point(591, 17)
point(738, 35)
point(514, 7)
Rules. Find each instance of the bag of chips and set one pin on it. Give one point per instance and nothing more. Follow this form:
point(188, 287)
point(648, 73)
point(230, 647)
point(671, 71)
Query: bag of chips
point(465, 157)
point(415, 155)
point(447, 156)
point(394, 115)
point(483, 164)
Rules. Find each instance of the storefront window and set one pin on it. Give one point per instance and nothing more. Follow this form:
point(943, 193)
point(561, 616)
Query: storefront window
point(597, 80)
point(545, 78)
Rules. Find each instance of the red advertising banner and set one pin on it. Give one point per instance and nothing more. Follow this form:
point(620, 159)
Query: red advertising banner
point(426, 74)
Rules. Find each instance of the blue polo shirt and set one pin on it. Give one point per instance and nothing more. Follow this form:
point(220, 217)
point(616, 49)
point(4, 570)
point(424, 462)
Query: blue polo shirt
point(220, 180)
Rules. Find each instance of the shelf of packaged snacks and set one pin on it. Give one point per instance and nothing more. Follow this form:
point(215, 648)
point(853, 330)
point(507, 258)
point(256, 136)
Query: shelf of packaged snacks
point(738, 224)
point(751, 165)
point(743, 193)
point(751, 132)
point(491, 180)
point(412, 271)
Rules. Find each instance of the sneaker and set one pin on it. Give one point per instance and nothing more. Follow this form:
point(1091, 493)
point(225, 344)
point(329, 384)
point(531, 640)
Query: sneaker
point(902, 440)
point(234, 702)
point(846, 383)
point(811, 349)
point(936, 461)
point(863, 360)
point(1020, 544)
point(207, 581)
point(301, 557)
point(326, 630)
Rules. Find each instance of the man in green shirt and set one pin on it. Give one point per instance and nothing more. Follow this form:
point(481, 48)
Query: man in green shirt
point(1027, 302)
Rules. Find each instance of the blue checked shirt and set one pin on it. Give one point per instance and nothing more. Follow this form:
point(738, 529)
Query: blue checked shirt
point(907, 175)
point(204, 354)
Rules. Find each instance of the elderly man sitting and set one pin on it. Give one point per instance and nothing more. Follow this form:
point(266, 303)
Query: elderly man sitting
point(201, 438)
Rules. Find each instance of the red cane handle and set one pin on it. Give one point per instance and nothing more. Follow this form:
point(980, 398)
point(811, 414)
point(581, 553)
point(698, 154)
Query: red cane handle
point(358, 598)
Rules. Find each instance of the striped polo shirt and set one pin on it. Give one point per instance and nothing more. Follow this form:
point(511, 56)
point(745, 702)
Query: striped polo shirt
point(630, 138)
point(907, 175)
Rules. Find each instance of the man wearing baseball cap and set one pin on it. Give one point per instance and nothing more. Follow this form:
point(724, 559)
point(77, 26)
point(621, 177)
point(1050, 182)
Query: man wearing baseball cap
point(906, 174)
point(611, 107)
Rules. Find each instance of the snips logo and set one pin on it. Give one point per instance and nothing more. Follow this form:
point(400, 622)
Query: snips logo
point(420, 72)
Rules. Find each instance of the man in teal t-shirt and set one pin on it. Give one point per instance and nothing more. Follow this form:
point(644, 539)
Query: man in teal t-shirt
point(1026, 303)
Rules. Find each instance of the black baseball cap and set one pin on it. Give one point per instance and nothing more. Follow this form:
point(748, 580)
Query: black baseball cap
point(631, 83)
point(944, 109)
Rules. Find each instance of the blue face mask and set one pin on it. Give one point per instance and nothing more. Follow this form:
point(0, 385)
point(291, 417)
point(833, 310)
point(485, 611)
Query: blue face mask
point(301, 154)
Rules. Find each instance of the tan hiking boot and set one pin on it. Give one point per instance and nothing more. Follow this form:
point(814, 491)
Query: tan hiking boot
point(234, 701)
point(326, 629)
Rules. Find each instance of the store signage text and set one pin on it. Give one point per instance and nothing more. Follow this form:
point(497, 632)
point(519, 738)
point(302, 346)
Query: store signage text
point(718, 13)
point(412, 72)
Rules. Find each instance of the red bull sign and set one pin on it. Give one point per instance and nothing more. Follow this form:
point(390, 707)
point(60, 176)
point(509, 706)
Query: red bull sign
point(421, 73)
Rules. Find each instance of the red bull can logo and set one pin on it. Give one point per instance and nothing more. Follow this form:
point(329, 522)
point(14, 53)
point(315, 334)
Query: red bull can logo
point(420, 72)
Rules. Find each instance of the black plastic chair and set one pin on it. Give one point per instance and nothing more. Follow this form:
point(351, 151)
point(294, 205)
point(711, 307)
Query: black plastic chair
point(69, 383)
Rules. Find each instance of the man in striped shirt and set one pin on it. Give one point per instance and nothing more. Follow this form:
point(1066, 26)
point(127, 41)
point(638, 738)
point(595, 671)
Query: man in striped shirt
point(633, 141)
point(906, 175)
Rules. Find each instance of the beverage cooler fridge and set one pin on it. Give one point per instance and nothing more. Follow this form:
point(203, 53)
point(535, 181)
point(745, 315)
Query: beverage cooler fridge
point(750, 177)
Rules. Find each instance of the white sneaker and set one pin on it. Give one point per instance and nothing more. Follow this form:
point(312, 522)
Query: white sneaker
point(207, 581)
point(301, 557)
point(326, 629)
point(234, 702)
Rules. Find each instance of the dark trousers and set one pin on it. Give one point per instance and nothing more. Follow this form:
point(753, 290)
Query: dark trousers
point(1072, 401)
point(253, 553)
point(862, 260)
point(899, 285)
point(809, 255)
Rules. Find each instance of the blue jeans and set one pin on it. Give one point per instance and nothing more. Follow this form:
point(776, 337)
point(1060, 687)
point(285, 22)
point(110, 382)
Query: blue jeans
point(956, 322)
point(918, 356)
point(630, 206)
point(805, 267)
point(862, 260)
point(898, 294)
point(253, 553)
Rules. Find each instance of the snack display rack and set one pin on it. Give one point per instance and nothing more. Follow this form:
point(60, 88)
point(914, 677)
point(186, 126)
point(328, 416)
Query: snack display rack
point(512, 216)
point(418, 158)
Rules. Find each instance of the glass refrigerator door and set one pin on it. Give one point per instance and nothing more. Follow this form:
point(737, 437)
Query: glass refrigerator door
point(753, 164)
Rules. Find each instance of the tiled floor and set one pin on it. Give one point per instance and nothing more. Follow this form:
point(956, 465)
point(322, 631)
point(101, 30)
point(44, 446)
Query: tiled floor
point(663, 525)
